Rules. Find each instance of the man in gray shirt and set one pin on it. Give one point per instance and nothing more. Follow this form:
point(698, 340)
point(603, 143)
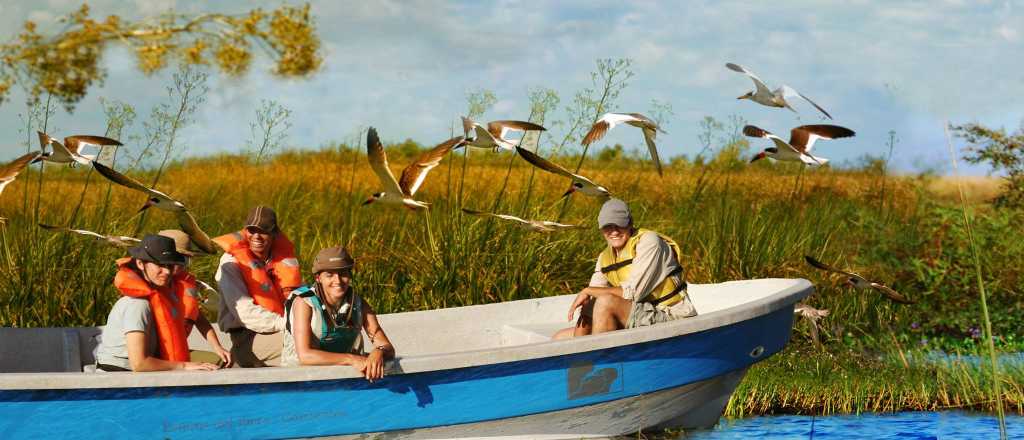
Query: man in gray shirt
point(638, 279)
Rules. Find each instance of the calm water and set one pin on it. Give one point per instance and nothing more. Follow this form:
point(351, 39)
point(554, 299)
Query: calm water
point(907, 425)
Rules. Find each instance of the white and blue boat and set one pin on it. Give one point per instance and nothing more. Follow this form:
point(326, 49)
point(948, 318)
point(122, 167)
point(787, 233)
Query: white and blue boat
point(479, 371)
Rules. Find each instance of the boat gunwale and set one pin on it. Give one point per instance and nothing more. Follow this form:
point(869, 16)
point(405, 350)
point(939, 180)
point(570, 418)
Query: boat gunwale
point(787, 296)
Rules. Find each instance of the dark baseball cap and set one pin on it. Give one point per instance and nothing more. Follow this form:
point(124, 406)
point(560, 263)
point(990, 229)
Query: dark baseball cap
point(262, 217)
point(157, 249)
point(614, 212)
point(332, 258)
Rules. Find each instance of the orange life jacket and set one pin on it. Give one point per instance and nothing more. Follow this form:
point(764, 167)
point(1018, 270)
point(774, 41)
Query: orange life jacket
point(266, 282)
point(169, 311)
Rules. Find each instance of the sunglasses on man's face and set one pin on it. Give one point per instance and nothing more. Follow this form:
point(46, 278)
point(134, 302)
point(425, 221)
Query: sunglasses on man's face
point(255, 230)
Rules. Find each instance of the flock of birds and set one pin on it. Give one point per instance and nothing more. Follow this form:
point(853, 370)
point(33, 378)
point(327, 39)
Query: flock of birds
point(494, 136)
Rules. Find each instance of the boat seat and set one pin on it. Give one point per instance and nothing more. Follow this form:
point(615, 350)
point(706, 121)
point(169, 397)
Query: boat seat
point(36, 350)
point(520, 334)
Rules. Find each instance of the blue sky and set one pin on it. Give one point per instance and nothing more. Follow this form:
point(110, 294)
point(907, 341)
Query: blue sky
point(405, 67)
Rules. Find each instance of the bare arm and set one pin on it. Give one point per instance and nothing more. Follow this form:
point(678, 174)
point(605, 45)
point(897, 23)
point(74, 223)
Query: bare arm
point(375, 360)
point(205, 329)
point(137, 358)
point(303, 335)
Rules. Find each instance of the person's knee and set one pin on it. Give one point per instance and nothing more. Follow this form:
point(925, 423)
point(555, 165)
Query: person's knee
point(604, 305)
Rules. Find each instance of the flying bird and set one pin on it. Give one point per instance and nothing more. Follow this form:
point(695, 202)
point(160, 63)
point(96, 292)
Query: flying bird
point(163, 201)
point(70, 150)
point(11, 170)
point(811, 314)
point(113, 240)
point(400, 192)
point(494, 136)
point(530, 225)
point(762, 95)
point(610, 120)
point(801, 140)
point(861, 283)
point(579, 183)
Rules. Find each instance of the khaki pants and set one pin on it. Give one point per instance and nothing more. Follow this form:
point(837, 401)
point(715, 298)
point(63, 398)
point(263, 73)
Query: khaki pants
point(250, 349)
point(644, 314)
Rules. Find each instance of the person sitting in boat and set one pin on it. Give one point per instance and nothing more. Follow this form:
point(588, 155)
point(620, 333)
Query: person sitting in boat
point(324, 321)
point(145, 329)
point(256, 273)
point(638, 279)
point(194, 317)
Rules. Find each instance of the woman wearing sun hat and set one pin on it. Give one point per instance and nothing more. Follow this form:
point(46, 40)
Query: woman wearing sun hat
point(325, 321)
point(145, 330)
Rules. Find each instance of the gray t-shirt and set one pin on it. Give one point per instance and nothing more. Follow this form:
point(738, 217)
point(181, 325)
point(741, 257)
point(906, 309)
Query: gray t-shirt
point(127, 315)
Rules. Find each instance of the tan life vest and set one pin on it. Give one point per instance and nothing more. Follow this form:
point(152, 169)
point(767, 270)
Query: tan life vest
point(266, 283)
point(616, 269)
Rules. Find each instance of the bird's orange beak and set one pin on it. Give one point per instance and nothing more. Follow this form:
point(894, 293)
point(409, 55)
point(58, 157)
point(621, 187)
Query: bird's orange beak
point(758, 157)
point(368, 201)
point(571, 190)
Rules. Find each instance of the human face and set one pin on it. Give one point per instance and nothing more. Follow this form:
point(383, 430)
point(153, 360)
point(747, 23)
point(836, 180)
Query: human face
point(260, 241)
point(616, 235)
point(158, 275)
point(335, 282)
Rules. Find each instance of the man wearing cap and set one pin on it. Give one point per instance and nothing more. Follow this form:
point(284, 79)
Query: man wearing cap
point(638, 279)
point(145, 329)
point(324, 321)
point(193, 312)
point(256, 273)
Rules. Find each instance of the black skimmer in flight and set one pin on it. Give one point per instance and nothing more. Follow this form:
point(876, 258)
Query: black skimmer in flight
point(163, 201)
point(529, 225)
point(71, 150)
point(812, 314)
point(861, 283)
point(801, 140)
point(579, 183)
point(762, 95)
point(494, 136)
point(113, 240)
point(400, 192)
point(610, 120)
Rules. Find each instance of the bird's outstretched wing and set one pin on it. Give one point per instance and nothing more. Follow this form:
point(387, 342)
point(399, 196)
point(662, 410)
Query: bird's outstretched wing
point(788, 91)
point(500, 129)
point(195, 233)
point(542, 163)
point(813, 262)
point(649, 135)
point(414, 174)
point(760, 85)
point(126, 181)
point(379, 162)
point(11, 170)
point(892, 294)
point(803, 137)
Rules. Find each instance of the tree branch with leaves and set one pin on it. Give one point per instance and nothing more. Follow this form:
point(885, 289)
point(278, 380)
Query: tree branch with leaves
point(67, 63)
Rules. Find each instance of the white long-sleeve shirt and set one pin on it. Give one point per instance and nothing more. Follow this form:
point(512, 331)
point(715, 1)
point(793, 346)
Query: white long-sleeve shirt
point(236, 308)
point(653, 261)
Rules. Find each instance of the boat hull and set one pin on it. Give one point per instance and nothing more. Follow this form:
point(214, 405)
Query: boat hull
point(619, 380)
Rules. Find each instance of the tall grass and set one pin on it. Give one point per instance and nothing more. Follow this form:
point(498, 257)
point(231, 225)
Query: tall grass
point(983, 296)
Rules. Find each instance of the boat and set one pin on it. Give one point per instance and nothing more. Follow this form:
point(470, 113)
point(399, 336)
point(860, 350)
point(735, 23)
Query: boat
point(467, 372)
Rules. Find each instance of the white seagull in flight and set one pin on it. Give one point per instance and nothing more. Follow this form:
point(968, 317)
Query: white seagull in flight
point(762, 95)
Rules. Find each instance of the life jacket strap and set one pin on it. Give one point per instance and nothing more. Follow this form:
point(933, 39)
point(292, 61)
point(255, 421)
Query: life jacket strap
point(679, 287)
point(616, 266)
point(303, 292)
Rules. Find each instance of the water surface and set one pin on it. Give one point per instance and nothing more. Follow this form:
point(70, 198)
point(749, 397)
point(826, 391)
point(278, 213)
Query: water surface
point(905, 425)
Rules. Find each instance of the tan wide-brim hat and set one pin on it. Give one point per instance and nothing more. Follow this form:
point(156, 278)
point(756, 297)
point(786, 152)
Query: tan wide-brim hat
point(181, 241)
point(333, 258)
